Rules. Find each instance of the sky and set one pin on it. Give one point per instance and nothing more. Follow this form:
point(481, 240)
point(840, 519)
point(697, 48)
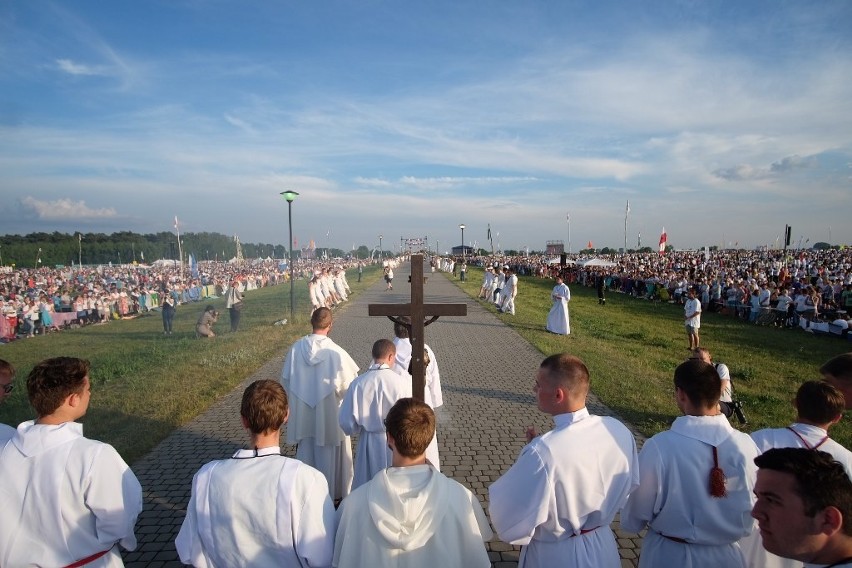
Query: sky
point(721, 121)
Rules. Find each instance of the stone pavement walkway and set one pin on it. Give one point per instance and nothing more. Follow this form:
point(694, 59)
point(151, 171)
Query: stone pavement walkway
point(487, 373)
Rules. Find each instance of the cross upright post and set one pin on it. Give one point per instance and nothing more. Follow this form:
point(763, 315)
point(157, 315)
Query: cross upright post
point(418, 312)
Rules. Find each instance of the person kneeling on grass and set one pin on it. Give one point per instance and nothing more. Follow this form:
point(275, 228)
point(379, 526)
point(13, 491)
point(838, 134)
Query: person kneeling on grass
point(204, 327)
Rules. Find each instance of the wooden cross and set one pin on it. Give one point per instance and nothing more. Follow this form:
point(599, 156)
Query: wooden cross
point(417, 311)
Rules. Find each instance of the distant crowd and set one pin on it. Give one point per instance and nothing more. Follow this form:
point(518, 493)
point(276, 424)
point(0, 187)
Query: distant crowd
point(43, 300)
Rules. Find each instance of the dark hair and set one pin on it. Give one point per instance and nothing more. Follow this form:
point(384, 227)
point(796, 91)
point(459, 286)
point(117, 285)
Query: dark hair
point(264, 406)
point(382, 348)
point(53, 380)
point(6, 368)
point(839, 367)
point(411, 424)
point(567, 371)
point(699, 381)
point(400, 328)
point(819, 402)
point(210, 308)
point(820, 480)
point(321, 318)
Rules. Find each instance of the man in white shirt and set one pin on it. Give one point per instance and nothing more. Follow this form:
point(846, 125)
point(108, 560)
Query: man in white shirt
point(510, 291)
point(66, 499)
point(818, 407)
point(258, 508)
point(566, 487)
point(316, 374)
point(804, 507)
point(365, 406)
point(696, 481)
point(692, 318)
point(410, 515)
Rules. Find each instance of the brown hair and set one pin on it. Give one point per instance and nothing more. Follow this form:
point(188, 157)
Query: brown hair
point(411, 424)
point(700, 382)
point(566, 371)
point(264, 406)
point(819, 402)
point(839, 367)
point(6, 368)
point(321, 318)
point(53, 380)
point(382, 348)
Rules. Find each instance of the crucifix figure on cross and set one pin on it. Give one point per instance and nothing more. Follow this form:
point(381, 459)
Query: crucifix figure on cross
point(417, 311)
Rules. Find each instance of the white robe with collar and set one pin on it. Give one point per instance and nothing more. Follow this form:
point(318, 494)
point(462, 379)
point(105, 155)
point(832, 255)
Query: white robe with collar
point(63, 498)
point(674, 473)
point(316, 374)
point(364, 409)
point(572, 479)
point(557, 318)
point(411, 517)
point(258, 510)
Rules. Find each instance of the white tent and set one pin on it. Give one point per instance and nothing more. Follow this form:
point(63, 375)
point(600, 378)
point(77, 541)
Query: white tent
point(557, 260)
point(597, 262)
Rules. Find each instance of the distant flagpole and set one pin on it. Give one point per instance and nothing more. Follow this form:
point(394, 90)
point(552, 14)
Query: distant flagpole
point(568, 218)
point(180, 249)
point(626, 213)
point(79, 250)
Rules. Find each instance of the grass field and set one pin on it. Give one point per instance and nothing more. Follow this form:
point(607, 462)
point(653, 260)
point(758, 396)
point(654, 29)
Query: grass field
point(633, 346)
point(144, 384)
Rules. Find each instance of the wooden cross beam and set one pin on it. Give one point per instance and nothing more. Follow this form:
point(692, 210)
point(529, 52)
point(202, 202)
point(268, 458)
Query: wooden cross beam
point(417, 311)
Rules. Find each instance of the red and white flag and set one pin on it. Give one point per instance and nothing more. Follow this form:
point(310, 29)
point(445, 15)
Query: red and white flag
point(663, 241)
point(176, 223)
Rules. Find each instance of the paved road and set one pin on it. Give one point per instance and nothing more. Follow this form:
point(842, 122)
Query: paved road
point(487, 373)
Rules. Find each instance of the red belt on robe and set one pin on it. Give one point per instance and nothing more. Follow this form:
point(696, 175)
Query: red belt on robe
point(89, 559)
point(586, 531)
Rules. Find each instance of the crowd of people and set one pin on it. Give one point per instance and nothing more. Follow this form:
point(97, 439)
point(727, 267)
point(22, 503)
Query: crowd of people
point(44, 300)
point(777, 497)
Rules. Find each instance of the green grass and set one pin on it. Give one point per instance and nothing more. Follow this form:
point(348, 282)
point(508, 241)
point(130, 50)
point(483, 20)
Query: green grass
point(144, 384)
point(633, 346)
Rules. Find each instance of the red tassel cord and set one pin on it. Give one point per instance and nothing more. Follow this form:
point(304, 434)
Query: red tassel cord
point(717, 478)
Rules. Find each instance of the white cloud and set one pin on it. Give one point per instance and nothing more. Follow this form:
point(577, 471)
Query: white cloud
point(64, 210)
point(73, 68)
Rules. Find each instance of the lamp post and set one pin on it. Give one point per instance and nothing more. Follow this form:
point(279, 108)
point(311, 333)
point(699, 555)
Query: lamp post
point(290, 196)
point(381, 250)
point(38, 257)
point(462, 230)
point(568, 218)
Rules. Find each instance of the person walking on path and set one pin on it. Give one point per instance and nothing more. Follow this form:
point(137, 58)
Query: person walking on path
point(558, 320)
point(258, 508)
point(317, 373)
point(557, 505)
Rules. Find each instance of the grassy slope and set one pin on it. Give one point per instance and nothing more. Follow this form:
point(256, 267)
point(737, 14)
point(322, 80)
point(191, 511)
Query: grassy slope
point(144, 384)
point(633, 346)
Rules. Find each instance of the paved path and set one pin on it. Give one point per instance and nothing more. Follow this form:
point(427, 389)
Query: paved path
point(487, 373)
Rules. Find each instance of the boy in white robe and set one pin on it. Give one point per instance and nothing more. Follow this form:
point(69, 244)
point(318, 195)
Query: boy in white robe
point(819, 406)
point(65, 498)
point(411, 515)
point(804, 507)
point(316, 374)
point(510, 290)
point(557, 318)
point(560, 497)
point(700, 465)
point(258, 508)
point(365, 407)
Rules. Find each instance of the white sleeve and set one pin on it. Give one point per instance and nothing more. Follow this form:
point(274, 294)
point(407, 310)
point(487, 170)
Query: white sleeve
point(114, 497)
point(347, 417)
point(314, 522)
point(518, 500)
point(642, 504)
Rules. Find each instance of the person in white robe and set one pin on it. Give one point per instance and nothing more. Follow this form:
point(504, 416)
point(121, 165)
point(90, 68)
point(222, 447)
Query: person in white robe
point(410, 515)
point(258, 508)
point(510, 290)
point(557, 318)
point(819, 406)
point(561, 495)
point(700, 465)
point(65, 498)
point(803, 507)
point(317, 373)
point(7, 384)
point(365, 406)
point(432, 393)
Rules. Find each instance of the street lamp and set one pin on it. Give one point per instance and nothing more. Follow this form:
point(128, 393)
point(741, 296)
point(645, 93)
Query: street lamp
point(290, 196)
point(381, 250)
point(462, 230)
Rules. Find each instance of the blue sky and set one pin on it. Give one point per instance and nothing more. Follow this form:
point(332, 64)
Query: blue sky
point(720, 121)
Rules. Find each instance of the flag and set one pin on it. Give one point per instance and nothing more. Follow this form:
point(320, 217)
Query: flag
point(193, 266)
point(489, 231)
point(627, 210)
point(176, 223)
point(589, 246)
point(663, 241)
point(142, 254)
